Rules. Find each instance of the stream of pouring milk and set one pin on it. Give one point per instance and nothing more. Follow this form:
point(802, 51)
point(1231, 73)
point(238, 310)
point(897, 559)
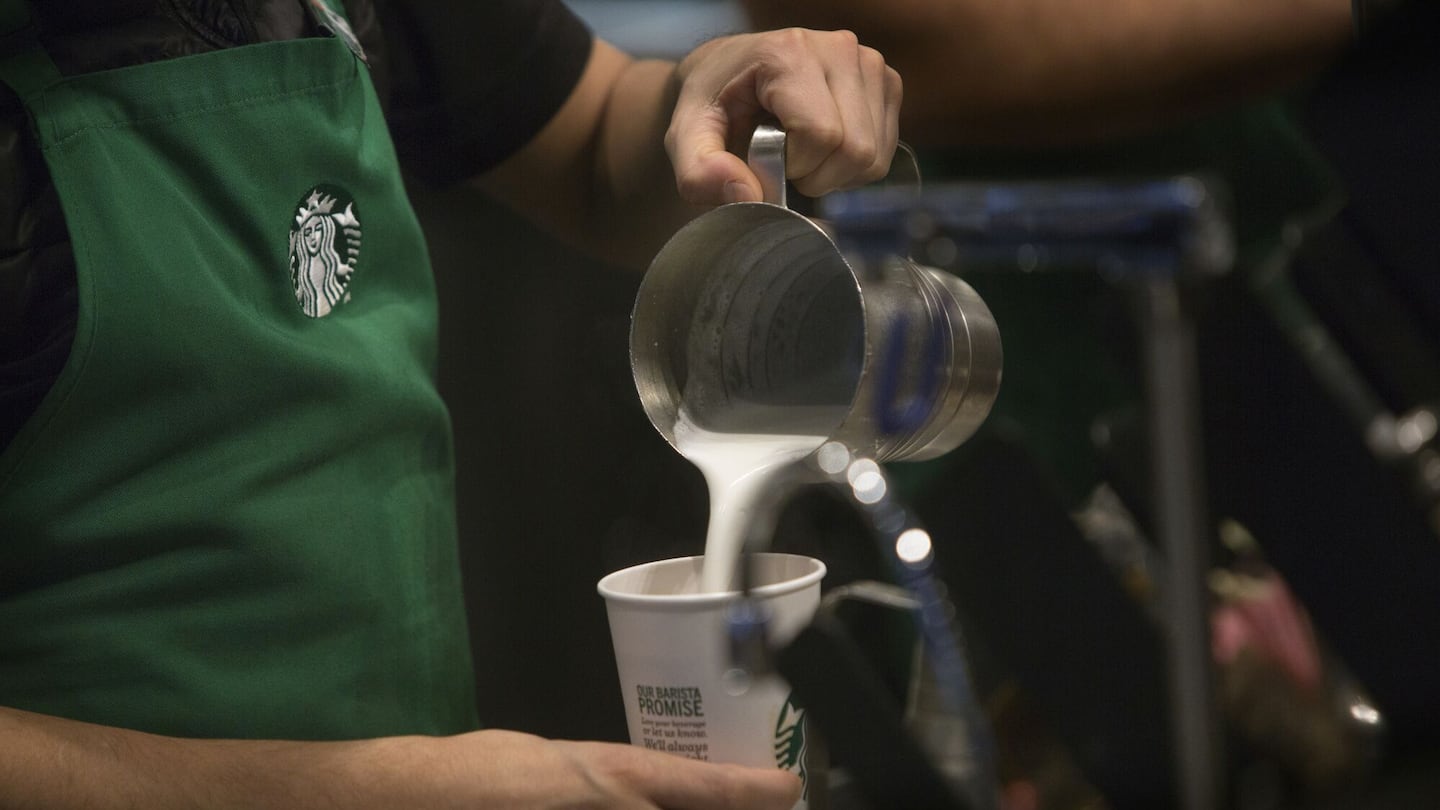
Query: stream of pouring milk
point(738, 468)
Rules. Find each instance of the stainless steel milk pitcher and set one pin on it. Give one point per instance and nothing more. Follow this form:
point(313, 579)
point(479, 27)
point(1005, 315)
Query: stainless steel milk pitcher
point(750, 320)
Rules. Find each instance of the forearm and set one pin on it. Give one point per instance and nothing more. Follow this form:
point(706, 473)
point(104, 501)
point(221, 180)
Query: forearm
point(636, 204)
point(1054, 71)
point(641, 146)
point(56, 763)
point(610, 191)
point(67, 765)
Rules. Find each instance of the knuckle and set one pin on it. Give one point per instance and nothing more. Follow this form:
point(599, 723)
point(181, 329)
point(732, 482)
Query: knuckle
point(872, 60)
point(858, 155)
point(781, 51)
point(789, 39)
point(877, 171)
point(824, 136)
point(844, 38)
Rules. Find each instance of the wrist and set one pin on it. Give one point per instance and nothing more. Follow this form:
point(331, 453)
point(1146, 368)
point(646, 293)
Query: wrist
point(240, 774)
point(686, 65)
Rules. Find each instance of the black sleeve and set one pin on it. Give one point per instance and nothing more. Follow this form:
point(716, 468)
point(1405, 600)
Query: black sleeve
point(472, 80)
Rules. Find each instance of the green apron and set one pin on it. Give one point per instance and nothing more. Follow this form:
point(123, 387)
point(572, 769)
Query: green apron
point(232, 515)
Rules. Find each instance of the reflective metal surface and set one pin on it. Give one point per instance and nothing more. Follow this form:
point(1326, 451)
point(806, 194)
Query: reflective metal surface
point(752, 321)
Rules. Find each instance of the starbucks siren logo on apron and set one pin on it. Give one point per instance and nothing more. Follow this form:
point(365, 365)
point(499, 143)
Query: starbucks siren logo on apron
point(324, 246)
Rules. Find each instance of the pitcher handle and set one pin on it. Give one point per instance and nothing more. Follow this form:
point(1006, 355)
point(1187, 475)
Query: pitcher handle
point(767, 160)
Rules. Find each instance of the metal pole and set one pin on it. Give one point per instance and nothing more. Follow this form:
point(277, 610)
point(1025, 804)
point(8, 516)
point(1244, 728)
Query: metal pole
point(1178, 488)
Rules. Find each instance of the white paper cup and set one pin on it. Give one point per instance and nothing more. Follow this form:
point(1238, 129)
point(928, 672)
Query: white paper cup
point(681, 691)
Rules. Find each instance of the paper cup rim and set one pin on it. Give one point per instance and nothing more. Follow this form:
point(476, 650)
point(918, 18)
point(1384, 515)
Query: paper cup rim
point(606, 585)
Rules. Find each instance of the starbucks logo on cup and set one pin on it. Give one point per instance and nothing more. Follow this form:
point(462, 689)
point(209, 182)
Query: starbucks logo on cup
point(790, 741)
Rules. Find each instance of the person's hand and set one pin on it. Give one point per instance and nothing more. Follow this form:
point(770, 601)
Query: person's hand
point(497, 768)
point(53, 762)
point(836, 99)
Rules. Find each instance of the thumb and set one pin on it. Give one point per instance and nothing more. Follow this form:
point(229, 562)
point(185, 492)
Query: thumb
point(706, 173)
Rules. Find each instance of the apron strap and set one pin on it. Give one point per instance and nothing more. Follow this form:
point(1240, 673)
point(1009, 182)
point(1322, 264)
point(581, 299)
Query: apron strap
point(330, 16)
point(24, 65)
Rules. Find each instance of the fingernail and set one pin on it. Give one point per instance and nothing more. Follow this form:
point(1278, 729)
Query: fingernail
point(736, 191)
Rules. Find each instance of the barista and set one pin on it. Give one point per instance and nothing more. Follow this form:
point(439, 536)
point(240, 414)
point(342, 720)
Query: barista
point(226, 529)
